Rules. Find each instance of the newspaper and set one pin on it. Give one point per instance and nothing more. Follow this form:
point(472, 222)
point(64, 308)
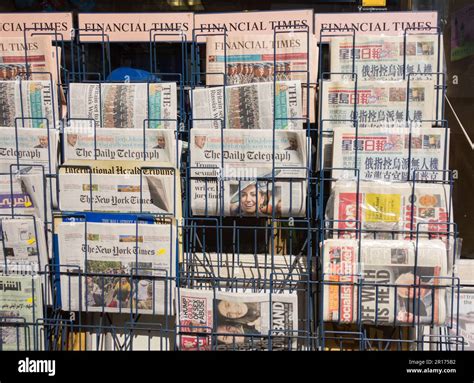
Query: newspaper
point(119, 186)
point(28, 146)
point(21, 305)
point(157, 145)
point(391, 154)
point(23, 245)
point(126, 268)
point(249, 106)
point(28, 104)
point(13, 192)
point(376, 57)
point(41, 191)
point(124, 105)
point(390, 294)
point(242, 321)
point(386, 212)
point(379, 104)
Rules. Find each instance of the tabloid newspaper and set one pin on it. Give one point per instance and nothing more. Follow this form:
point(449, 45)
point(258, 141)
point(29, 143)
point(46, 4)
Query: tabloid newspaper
point(24, 245)
point(119, 186)
point(379, 104)
point(157, 145)
point(376, 57)
point(249, 106)
point(248, 187)
point(28, 104)
point(236, 320)
point(21, 305)
point(386, 208)
point(125, 267)
point(391, 154)
point(32, 149)
point(392, 291)
point(124, 105)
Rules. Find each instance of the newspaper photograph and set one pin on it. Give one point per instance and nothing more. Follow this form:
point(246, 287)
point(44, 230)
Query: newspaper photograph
point(21, 305)
point(32, 149)
point(119, 186)
point(385, 209)
point(387, 58)
point(377, 104)
point(158, 145)
point(125, 267)
point(239, 321)
point(28, 104)
point(249, 106)
point(395, 288)
point(124, 105)
point(391, 154)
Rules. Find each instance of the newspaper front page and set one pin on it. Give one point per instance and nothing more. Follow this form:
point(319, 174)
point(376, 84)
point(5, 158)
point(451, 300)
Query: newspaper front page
point(392, 291)
point(126, 268)
point(21, 305)
point(237, 320)
point(249, 106)
point(124, 105)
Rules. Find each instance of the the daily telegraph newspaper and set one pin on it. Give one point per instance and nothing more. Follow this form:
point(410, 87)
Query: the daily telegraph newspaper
point(157, 145)
point(377, 104)
point(249, 106)
point(376, 57)
point(385, 282)
point(28, 104)
point(28, 146)
point(21, 305)
point(24, 245)
point(119, 186)
point(125, 267)
point(248, 187)
point(124, 105)
point(391, 154)
point(237, 320)
point(392, 210)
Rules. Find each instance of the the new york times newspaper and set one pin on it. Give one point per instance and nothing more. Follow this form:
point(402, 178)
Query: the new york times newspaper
point(398, 284)
point(220, 320)
point(248, 187)
point(124, 105)
point(21, 304)
point(119, 186)
point(125, 267)
point(249, 106)
point(386, 211)
point(28, 104)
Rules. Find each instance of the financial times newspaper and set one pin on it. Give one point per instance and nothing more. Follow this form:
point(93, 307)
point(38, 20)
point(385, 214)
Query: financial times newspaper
point(125, 105)
point(125, 267)
point(158, 145)
point(21, 305)
point(28, 104)
point(236, 321)
point(24, 245)
point(375, 57)
point(387, 209)
point(391, 154)
point(119, 186)
point(28, 146)
point(377, 104)
point(383, 287)
point(249, 106)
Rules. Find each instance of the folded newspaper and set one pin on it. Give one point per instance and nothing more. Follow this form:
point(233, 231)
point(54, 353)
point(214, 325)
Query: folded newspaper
point(221, 320)
point(119, 186)
point(249, 106)
point(126, 268)
point(385, 283)
point(390, 210)
point(124, 105)
point(21, 305)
